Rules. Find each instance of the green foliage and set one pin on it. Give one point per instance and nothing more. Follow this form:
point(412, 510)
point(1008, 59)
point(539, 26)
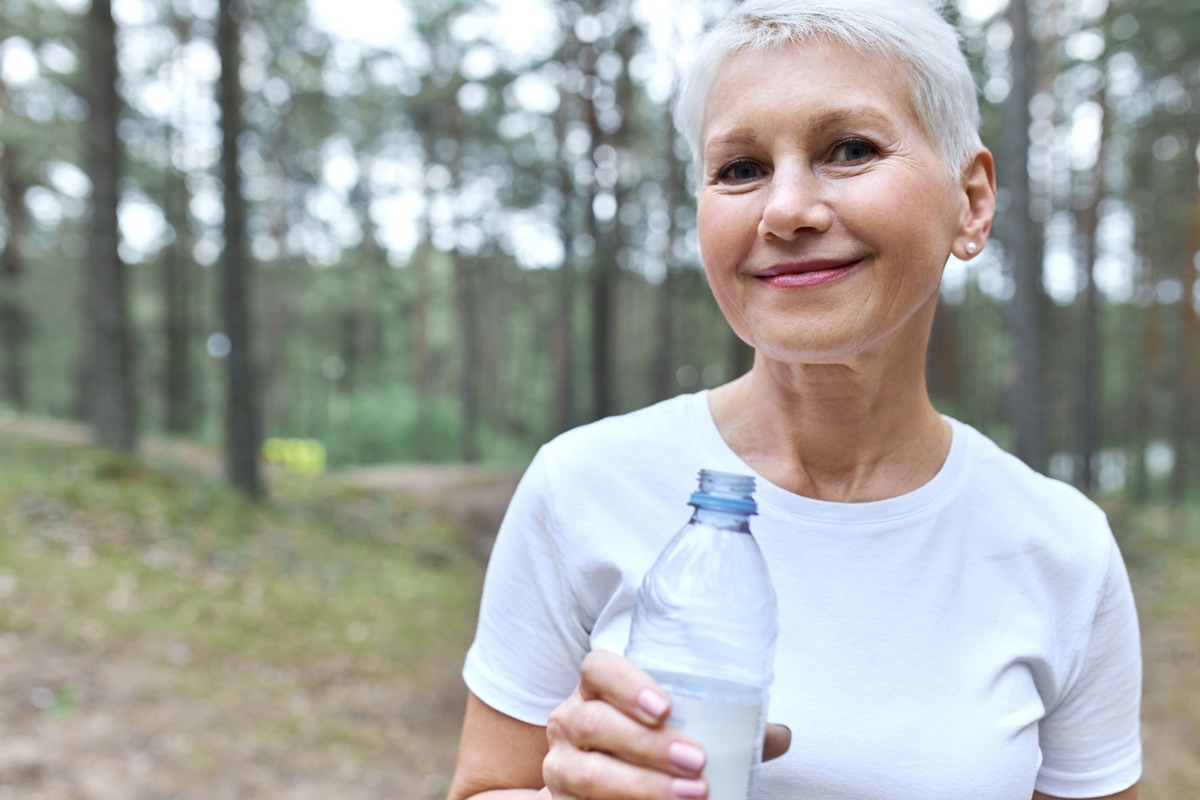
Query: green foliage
point(122, 552)
point(1161, 546)
point(374, 426)
point(363, 342)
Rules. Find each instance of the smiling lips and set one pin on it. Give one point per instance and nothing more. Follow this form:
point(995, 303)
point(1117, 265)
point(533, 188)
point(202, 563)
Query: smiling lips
point(806, 273)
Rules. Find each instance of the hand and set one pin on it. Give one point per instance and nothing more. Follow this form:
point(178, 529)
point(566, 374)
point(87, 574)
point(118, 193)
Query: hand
point(608, 741)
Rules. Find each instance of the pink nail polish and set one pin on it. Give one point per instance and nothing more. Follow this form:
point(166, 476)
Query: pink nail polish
point(685, 756)
point(689, 788)
point(652, 702)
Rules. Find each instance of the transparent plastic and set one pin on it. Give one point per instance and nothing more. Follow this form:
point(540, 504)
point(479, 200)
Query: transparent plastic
point(704, 626)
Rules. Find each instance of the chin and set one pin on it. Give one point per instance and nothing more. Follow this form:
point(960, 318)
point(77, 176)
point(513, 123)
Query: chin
point(805, 353)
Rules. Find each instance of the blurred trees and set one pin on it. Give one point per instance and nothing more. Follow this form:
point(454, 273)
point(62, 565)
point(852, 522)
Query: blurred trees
point(243, 436)
point(13, 320)
point(180, 403)
point(108, 393)
point(1023, 235)
point(467, 226)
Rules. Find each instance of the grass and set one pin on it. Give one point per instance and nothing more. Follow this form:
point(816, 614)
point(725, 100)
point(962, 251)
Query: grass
point(112, 543)
point(1161, 545)
point(304, 622)
point(193, 644)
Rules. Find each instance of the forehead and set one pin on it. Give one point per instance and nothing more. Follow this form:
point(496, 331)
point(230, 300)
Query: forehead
point(809, 84)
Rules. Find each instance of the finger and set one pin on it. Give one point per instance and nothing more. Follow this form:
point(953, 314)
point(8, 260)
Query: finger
point(597, 725)
point(614, 679)
point(776, 741)
point(599, 776)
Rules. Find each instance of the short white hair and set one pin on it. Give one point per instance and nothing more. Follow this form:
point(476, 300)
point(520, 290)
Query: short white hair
point(913, 33)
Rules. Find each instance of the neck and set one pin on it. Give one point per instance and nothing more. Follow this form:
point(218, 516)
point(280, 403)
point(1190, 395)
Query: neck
point(842, 432)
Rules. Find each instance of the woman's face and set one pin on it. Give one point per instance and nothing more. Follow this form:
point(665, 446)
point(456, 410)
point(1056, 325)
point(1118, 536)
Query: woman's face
point(825, 213)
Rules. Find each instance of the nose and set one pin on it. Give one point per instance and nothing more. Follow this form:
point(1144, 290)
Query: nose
point(794, 203)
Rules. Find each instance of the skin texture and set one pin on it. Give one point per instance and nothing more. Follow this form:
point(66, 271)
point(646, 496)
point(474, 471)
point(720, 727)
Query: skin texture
point(825, 219)
point(856, 179)
point(837, 169)
point(607, 740)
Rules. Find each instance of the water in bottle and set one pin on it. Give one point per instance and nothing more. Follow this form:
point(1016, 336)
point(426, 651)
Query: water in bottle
point(704, 627)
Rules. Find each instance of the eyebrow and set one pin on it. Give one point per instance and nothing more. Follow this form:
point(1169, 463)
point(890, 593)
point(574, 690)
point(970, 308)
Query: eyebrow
point(748, 136)
point(739, 136)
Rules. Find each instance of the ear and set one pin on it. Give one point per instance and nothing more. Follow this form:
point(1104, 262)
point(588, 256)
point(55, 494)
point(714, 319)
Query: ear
point(979, 190)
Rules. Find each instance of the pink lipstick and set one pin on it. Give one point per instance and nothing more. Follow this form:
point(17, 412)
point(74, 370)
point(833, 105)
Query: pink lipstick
point(806, 273)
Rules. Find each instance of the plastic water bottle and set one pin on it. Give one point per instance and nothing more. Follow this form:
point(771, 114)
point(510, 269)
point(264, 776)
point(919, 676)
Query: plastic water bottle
point(704, 626)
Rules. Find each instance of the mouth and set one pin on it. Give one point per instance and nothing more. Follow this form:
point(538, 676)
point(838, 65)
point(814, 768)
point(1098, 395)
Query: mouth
point(807, 273)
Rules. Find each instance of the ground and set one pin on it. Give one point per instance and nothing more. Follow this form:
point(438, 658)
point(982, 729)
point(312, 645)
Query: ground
point(133, 667)
point(150, 649)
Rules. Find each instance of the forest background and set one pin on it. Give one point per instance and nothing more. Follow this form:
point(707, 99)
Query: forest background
point(340, 233)
point(457, 228)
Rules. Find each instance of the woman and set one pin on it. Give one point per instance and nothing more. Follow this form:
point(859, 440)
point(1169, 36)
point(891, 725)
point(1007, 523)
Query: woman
point(952, 625)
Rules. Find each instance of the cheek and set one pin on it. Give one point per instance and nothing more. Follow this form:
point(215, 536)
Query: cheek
point(722, 234)
point(724, 229)
point(916, 227)
point(706, 220)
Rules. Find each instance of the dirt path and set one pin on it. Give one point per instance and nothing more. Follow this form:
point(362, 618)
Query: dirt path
point(474, 497)
point(96, 758)
point(90, 721)
point(142, 734)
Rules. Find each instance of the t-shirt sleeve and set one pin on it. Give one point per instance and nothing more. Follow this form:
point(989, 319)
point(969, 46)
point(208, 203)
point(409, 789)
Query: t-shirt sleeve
point(530, 641)
point(1090, 739)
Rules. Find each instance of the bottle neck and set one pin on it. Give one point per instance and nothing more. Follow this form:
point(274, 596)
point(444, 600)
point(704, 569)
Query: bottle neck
point(725, 520)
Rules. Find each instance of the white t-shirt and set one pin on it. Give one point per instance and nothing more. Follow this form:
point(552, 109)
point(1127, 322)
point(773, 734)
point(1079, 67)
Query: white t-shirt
point(974, 638)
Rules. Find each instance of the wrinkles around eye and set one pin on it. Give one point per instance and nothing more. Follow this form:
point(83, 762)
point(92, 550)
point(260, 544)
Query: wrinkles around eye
point(740, 171)
point(854, 151)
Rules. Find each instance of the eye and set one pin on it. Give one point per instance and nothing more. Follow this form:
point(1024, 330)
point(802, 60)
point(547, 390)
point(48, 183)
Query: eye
point(854, 151)
point(739, 172)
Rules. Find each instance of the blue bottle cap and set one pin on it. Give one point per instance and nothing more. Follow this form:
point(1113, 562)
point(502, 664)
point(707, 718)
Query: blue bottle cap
point(725, 491)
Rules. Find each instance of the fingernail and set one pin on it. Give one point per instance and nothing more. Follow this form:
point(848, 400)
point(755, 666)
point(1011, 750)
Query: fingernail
point(686, 756)
point(689, 788)
point(652, 702)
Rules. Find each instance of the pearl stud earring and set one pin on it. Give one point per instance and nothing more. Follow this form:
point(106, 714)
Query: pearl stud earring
point(972, 247)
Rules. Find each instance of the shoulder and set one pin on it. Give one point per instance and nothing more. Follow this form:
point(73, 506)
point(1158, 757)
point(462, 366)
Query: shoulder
point(999, 474)
point(641, 465)
point(1008, 474)
point(1025, 509)
point(659, 432)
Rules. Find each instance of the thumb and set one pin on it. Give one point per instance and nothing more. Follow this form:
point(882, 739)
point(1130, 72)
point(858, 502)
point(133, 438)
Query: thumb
point(777, 740)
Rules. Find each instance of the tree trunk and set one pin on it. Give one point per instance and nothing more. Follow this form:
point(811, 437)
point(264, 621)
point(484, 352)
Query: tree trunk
point(179, 402)
point(1139, 436)
point(609, 236)
point(466, 307)
point(1023, 241)
point(178, 267)
point(565, 413)
point(371, 270)
point(664, 323)
point(600, 272)
point(285, 396)
point(108, 352)
point(1183, 415)
point(468, 316)
point(1091, 359)
point(420, 322)
point(13, 318)
point(670, 309)
point(1089, 378)
point(243, 416)
point(419, 263)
